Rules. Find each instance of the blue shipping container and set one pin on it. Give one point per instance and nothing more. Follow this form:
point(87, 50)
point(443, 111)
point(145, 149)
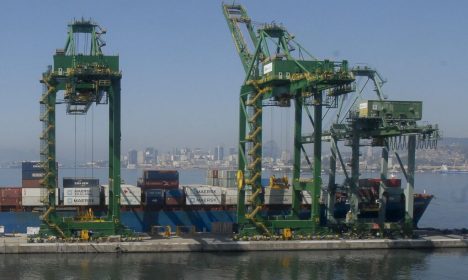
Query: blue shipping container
point(32, 174)
point(31, 165)
point(175, 193)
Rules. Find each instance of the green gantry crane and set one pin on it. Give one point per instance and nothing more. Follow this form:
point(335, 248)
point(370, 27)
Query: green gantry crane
point(276, 77)
point(86, 76)
point(389, 124)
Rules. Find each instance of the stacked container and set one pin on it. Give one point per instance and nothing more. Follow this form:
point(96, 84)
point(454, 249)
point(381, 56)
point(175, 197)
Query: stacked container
point(231, 195)
point(159, 179)
point(174, 197)
point(10, 197)
point(129, 195)
point(278, 197)
point(34, 196)
point(203, 195)
point(227, 178)
point(32, 173)
point(81, 192)
point(154, 198)
point(212, 177)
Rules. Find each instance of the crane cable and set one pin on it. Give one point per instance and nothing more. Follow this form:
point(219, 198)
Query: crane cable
point(75, 149)
point(92, 141)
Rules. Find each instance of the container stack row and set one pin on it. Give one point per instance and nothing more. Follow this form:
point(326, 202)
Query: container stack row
point(221, 178)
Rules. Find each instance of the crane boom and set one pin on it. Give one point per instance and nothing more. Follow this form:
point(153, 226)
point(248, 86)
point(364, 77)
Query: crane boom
point(235, 16)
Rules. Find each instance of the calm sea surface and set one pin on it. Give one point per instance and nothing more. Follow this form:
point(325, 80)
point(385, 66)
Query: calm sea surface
point(448, 210)
point(385, 264)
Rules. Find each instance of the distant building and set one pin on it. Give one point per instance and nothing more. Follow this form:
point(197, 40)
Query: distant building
point(232, 151)
point(285, 156)
point(219, 153)
point(140, 157)
point(132, 157)
point(150, 156)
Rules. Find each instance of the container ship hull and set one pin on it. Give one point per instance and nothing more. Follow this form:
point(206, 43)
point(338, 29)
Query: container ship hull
point(141, 220)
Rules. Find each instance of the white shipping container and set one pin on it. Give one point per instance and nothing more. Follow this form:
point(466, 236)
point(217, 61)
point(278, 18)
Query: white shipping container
point(200, 190)
point(91, 192)
point(231, 200)
point(126, 200)
point(80, 201)
point(212, 181)
point(203, 200)
point(37, 196)
point(270, 191)
point(33, 200)
point(129, 195)
point(228, 183)
point(231, 192)
point(278, 199)
point(34, 192)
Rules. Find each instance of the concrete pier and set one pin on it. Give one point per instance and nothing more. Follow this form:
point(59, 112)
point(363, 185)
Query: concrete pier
point(201, 243)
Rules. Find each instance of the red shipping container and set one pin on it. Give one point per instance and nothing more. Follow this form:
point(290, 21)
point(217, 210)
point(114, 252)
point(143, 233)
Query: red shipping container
point(10, 192)
point(10, 201)
point(159, 184)
point(36, 183)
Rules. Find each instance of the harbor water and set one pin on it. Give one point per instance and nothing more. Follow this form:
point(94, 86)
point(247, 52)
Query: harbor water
point(384, 264)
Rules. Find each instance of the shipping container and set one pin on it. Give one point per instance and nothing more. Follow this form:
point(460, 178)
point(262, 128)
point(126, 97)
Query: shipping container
point(91, 192)
point(126, 200)
point(199, 190)
point(212, 173)
point(174, 197)
point(80, 182)
point(10, 197)
point(31, 165)
point(277, 197)
point(174, 193)
point(32, 174)
point(212, 181)
point(80, 201)
point(227, 174)
point(159, 185)
point(203, 200)
point(129, 195)
point(36, 196)
point(160, 175)
point(10, 192)
point(34, 192)
point(154, 197)
point(33, 200)
point(10, 201)
point(227, 183)
point(36, 183)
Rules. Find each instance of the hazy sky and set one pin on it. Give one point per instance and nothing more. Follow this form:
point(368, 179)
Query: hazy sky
point(181, 74)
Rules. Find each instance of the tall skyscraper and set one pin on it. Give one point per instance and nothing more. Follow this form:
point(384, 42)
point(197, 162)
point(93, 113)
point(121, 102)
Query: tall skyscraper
point(132, 157)
point(219, 153)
